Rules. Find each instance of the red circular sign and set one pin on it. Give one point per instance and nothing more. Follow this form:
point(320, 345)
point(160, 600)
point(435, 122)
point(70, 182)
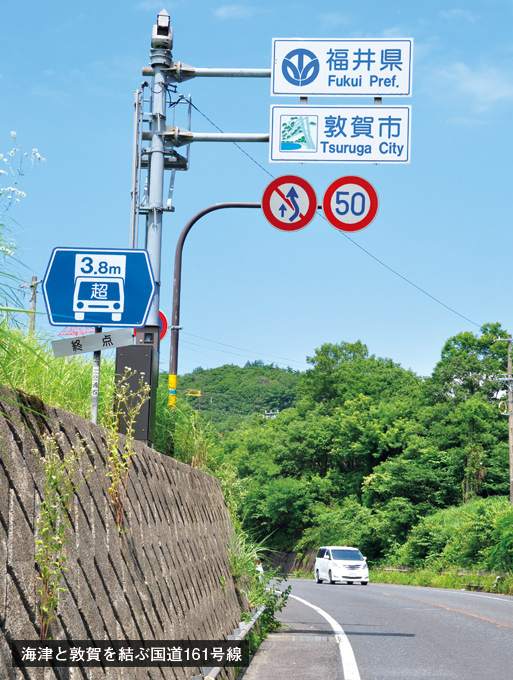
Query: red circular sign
point(162, 325)
point(289, 203)
point(350, 203)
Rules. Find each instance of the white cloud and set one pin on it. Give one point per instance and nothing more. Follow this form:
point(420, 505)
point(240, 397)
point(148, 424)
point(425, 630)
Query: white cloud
point(156, 5)
point(396, 32)
point(234, 12)
point(334, 19)
point(458, 14)
point(466, 121)
point(484, 86)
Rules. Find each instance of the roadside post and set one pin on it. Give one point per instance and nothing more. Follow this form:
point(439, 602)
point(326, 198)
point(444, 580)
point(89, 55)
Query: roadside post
point(95, 385)
point(94, 342)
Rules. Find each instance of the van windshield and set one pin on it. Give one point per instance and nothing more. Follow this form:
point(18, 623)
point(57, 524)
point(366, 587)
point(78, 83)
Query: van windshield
point(347, 555)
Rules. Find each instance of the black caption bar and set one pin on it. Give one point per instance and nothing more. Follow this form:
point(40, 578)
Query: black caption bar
point(130, 653)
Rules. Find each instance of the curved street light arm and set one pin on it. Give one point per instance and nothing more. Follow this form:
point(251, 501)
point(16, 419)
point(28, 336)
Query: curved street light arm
point(177, 285)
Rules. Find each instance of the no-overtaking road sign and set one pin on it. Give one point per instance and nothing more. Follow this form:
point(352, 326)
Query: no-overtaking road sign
point(289, 203)
point(93, 287)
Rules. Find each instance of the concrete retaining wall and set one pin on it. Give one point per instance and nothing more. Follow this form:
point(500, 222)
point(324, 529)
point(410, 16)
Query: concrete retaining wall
point(166, 577)
point(290, 562)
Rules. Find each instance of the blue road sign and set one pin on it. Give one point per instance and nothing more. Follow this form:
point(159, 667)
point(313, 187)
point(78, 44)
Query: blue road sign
point(93, 287)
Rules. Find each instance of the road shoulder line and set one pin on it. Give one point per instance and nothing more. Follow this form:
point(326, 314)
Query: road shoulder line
point(349, 665)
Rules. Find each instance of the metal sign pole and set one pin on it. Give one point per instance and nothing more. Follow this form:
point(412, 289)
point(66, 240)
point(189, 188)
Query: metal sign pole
point(161, 59)
point(161, 155)
point(95, 387)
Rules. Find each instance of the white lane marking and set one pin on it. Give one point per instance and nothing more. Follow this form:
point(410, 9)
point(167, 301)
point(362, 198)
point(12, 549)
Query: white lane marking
point(346, 651)
point(492, 597)
point(452, 590)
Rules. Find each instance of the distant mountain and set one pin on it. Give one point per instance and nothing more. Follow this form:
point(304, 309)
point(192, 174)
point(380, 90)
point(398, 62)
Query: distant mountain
point(230, 393)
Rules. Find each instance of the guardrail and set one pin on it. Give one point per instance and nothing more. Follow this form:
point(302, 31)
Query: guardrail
point(239, 633)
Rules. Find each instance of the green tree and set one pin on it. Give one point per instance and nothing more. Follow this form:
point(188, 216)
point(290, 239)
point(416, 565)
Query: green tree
point(319, 384)
point(469, 365)
point(279, 510)
point(342, 372)
point(500, 553)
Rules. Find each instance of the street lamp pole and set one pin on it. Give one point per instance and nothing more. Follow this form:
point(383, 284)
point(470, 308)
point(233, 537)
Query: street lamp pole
point(177, 285)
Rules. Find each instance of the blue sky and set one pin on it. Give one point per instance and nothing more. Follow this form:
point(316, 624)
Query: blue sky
point(68, 74)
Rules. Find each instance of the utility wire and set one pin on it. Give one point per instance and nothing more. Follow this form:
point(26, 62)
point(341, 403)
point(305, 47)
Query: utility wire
point(383, 264)
point(242, 349)
point(235, 143)
point(224, 351)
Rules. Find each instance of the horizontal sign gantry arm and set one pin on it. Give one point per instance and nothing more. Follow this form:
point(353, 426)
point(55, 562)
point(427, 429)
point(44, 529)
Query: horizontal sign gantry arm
point(176, 136)
point(179, 72)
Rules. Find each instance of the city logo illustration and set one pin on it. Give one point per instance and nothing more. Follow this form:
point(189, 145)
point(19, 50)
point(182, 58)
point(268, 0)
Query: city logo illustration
point(298, 133)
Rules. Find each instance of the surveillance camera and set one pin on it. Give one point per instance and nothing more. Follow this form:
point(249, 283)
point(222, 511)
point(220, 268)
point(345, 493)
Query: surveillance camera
point(162, 36)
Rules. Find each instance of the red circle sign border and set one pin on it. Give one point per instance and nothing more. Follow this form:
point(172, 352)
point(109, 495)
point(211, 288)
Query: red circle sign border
point(339, 224)
point(304, 220)
point(163, 319)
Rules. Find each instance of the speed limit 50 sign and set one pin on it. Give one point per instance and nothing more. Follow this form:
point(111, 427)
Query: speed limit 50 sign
point(350, 203)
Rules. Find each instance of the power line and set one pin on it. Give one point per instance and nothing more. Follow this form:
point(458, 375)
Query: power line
point(235, 143)
point(236, 354)
point(367, 252)
point(242, 349)
point(383, 264)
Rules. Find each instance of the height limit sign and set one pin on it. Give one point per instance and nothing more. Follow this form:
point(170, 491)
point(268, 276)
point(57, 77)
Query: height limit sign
point(289, 203)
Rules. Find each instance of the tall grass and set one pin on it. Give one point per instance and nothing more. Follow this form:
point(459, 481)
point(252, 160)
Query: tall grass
point(28, 364)
point(253, 586)
point(453, 579)
point(182, 433)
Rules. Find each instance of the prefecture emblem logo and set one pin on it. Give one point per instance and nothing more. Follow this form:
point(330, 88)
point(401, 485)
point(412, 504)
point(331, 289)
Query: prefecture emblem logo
point(300, 67)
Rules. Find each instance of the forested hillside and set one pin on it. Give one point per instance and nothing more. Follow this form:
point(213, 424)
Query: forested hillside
point(412, 470)
point(365, 452)
point(230, 394)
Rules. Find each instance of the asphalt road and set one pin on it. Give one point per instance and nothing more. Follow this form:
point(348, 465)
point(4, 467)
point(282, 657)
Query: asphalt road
point(388, 633)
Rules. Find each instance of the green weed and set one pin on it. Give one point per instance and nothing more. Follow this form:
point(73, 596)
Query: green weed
point(60, 487)
point(126, 405)
point(258, 588)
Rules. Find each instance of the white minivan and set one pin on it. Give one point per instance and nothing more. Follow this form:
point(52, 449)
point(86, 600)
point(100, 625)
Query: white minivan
point(341, 563)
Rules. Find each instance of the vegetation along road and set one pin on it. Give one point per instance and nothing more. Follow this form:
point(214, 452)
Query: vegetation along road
point(388, 632)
